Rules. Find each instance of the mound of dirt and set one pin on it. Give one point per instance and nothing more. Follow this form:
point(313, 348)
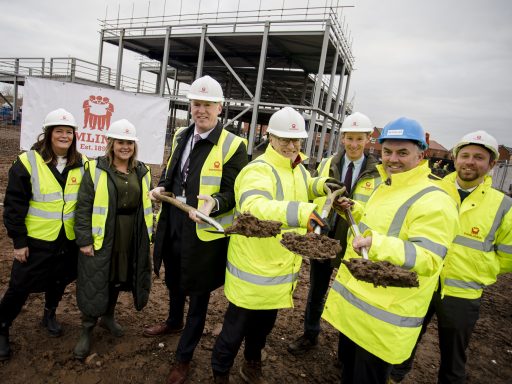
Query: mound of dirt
point(381, 273)
point(311, 245)
point(250, 226)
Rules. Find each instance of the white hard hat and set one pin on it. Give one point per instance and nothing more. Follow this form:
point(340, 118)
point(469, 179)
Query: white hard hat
point(357, 122)
point(480, 138)
point(289, 123)
point(122, 130)
point(207, 89)
point(59, 117)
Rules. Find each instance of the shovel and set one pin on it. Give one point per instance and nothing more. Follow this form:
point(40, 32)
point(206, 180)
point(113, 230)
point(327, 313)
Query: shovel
point(355, 231)
point(169, 198)
point(326, 209)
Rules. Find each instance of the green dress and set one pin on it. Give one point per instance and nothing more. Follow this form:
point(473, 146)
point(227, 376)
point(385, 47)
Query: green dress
point(128, 201)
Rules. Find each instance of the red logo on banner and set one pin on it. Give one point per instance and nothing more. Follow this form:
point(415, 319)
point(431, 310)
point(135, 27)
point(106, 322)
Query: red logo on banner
point(98, 112)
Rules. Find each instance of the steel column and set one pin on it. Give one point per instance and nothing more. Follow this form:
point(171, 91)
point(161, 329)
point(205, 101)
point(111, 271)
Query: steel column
point(200, 56)
point(344, 108)
point(335, 110)
point(257, 93)
point(165, 60)
point(100, 55)
point(15, 101)
point(120, 59)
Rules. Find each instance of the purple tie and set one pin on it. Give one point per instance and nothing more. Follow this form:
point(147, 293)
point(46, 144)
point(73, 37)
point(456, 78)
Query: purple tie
point(184, 170)
point(348, 177)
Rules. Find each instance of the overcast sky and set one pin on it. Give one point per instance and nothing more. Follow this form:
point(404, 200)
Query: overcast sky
point(445, 63)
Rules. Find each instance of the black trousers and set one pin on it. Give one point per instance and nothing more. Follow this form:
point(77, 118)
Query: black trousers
point(360, 366)
point(319, 279)
point(49, 269)
point(197, 308)
point(241, 324)
point(456, 318)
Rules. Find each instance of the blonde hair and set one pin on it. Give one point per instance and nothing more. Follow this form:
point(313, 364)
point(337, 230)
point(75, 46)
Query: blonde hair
point(109, 153)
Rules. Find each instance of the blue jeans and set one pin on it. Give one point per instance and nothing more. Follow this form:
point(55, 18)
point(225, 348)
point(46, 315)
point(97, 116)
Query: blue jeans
point(319, 278)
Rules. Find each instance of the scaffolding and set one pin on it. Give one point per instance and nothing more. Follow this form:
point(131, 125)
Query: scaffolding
point(264, 59)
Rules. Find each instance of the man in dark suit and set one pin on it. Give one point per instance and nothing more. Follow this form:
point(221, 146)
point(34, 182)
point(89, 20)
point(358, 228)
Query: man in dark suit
point(204, 162)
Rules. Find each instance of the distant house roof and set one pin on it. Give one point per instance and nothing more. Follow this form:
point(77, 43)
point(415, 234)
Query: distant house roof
point(436, 146)
point(508, 149)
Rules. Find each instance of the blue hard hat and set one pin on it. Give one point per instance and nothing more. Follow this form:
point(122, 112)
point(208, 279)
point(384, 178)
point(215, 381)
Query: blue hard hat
point(404, 129)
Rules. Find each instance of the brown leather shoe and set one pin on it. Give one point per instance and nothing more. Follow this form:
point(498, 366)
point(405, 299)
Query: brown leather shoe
point(179, 373)
point(160, 329)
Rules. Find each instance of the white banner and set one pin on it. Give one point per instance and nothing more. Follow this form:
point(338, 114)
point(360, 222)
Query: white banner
point(94, 110)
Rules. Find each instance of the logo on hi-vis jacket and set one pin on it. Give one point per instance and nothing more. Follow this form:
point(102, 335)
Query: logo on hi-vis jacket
point(475, 232)
point(368, 185)
point(216, 166)
point(73, 181)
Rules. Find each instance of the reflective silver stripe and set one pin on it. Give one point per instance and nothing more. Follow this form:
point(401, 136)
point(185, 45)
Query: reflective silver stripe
point(44, 214)
point(377, 181)
point(439, 249)
point(223, 220)
point(150, 230)
point(292, 214)
point(99, 210)
point(70, 196)
point(322, 166)
point(69, 216)
point(463, 284)
point(504, 248)
point(97, 231)
point(279, 186)
point(315, 187)
point(261, 280)
point(147, 179)
point(398, 220)
point(254, 192)
point(227, 143)
point(380, 314)
point(96, 177)
point(409, 255)
point(211, 180)
point(473, 244)
point(148, 211)
point(362, 227)
point(304, 172)
point(82, 171)
point(360, 197)
point(36, 187)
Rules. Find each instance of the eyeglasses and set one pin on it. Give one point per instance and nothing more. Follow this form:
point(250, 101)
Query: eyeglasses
point(286, 141)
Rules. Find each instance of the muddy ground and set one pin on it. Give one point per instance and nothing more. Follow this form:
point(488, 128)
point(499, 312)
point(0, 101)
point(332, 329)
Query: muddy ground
point(133, 358)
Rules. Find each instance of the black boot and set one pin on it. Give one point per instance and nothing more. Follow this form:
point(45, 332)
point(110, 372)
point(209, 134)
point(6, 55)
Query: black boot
point(83, 346)
point(5, 349)
point(50, 322)
point(108, 321)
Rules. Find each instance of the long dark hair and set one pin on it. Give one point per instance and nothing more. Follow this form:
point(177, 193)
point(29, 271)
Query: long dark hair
point(43, 145)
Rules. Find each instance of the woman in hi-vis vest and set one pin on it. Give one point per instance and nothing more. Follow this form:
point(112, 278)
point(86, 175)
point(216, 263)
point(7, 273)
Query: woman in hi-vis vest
point(39, 210)
point(114, 224)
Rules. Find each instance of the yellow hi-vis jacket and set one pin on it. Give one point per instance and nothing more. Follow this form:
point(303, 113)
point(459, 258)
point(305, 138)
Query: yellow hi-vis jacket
point(483, 247)
point(412, 224)
point(100, 205)
point(261, 273)
point(50, 206)
point(211, 177)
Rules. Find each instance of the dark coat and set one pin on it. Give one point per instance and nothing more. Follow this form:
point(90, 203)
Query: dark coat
point(368, 171)
point(199, 266)
point(93, 272)
point(48, 261)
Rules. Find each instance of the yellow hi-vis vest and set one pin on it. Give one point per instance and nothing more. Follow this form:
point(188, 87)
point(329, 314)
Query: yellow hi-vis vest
point(211, 176)
point(483, 247)
point(260, 272)
point(100, 205)
point(50, 206)
point(362, 189)
point(412, 224)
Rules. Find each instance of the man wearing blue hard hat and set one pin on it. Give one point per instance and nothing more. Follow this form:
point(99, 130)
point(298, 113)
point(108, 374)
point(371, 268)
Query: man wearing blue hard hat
point(409, 222)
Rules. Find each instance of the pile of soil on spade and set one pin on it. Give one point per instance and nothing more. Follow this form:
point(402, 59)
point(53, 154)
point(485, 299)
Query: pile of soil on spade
point(250, 226)
point(311, 245)
point(381, 273)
